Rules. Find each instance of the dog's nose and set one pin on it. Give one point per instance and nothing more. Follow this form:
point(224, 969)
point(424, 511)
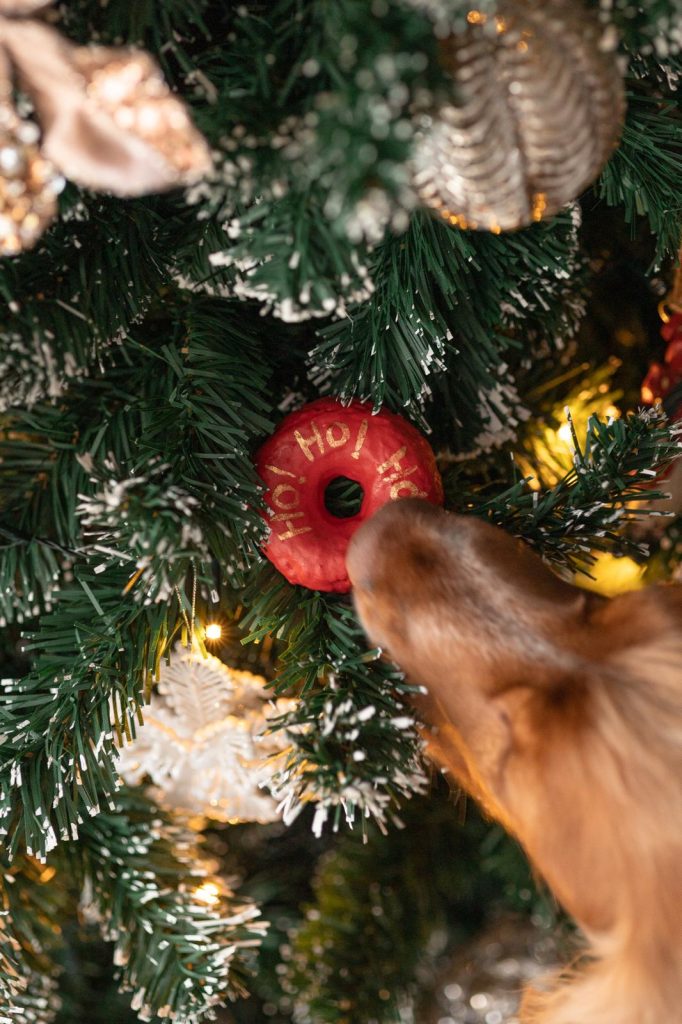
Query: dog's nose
point(361, 555)
point(371, 545)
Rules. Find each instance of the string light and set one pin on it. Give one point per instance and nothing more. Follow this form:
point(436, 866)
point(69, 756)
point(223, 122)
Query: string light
point(207, 893)
point(548, 453)
point(213, 631)
point(613, 576)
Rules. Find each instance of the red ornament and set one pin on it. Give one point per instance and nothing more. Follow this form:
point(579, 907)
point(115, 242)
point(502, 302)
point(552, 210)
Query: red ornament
point(324, 440)
point(663, 382)
point(673, 328)
point(663, 379)
point(673, 357)
point(656, 384)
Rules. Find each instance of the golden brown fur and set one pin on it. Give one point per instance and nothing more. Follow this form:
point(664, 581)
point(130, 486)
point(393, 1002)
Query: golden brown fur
point(561, 712)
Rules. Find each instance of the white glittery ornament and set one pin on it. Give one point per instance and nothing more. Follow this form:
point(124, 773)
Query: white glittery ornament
point(204, 743)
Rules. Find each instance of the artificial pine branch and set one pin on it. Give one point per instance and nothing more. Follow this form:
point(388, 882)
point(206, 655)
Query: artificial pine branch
point(611, 484)
point(145, 23)
point(354, 745)
point(644, 175)
point(182, 941)
point(36, 1003)
point(650, 27)
point(92, 659)
point(178, 417)
point(29, 941)
point(444, 314)
point(386, 909)
point(62, 320)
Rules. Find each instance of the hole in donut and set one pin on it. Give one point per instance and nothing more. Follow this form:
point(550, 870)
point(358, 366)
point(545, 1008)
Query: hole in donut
point(343, 497)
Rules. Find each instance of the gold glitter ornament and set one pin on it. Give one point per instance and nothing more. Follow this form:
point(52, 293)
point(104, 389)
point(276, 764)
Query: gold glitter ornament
point(536, 110)
point(130, 89)
point(108, 121)
point(29, 185)
point(19, 8)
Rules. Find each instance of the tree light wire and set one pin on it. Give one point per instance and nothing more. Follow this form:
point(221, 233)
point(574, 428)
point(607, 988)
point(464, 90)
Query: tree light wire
point(189, 622)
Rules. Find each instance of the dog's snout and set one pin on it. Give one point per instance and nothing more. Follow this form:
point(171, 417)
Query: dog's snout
point(363, 555)
point(378, 543)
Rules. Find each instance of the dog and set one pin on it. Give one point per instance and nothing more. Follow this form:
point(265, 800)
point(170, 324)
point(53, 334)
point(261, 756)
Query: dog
point(560, 712)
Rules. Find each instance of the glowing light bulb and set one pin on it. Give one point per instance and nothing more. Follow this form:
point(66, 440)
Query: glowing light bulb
point(613, 576)
point(207, 893)
point(213, 631)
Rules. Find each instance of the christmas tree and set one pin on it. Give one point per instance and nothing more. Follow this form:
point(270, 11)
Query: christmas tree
point(213, 794)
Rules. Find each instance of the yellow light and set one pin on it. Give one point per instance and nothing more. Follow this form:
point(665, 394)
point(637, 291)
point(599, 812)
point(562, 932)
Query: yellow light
point(539, 198)
point(207, 893)
point(548, 453)
point(477, 18)
point(213, 631)
point(613, 576)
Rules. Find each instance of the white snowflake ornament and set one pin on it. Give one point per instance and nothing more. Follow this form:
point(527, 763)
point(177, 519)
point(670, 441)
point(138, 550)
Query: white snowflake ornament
point(205, 743)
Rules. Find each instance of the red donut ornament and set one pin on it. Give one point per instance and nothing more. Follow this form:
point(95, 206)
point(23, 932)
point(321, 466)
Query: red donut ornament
point(324, 440)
